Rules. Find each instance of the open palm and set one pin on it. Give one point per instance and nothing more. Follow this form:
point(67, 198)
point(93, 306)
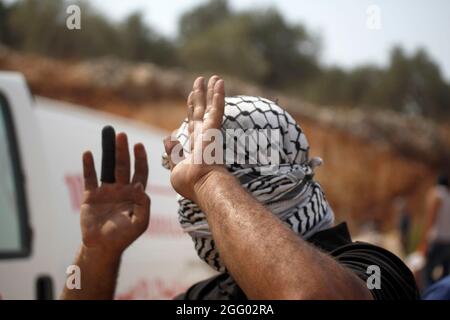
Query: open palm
point(204, 113)
point(113, 215)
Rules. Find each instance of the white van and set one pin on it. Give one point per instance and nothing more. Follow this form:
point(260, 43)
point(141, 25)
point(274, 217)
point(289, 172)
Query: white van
point(41, 142)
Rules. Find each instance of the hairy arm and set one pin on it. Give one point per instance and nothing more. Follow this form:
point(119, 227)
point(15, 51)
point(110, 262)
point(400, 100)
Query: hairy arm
point(264, 256)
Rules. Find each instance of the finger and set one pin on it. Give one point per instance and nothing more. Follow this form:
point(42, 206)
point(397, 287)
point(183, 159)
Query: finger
point(174, 151)
point(140, 165)
point(190, 111)
point(89, 174)
point(141, 210)
point(199, 98)
point(108, 154)
point(215, 114)
point(122, 171)
point(210, 91)
point(190, 117)
point(168, 146)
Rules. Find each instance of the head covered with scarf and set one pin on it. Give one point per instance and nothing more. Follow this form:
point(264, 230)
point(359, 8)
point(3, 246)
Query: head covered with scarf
point(288, 191)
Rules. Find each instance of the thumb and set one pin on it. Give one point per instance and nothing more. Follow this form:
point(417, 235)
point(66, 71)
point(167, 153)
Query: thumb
point(141, 205)
point(174, 152)
point(139, 196)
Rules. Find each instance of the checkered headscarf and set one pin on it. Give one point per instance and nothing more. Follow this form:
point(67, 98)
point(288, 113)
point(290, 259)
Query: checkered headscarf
point(290, 192)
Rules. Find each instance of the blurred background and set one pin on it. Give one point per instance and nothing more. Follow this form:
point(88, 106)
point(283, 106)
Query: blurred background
point(369, 81)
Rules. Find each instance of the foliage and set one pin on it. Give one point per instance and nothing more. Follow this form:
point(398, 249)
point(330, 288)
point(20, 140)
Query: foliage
point(39, 26)
point(257, 45)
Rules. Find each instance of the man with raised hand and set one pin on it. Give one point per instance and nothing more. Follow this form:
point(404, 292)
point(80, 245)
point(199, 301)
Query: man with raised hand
point(270, 235)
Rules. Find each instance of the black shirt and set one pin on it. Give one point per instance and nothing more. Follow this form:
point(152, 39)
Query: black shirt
point(397, 281)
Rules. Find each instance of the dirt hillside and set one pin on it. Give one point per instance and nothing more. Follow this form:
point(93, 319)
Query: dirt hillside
point(372, 161)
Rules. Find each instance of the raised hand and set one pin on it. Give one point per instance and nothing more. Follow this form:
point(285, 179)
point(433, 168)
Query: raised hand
point(115, 214)
point(205, 107)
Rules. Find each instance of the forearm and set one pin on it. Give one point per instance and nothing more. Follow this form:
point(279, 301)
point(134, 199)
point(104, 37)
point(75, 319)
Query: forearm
point(99, 271)
point(267, 259)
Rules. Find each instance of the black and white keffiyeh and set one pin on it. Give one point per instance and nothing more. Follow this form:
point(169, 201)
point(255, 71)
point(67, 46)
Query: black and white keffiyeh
point(288, 190)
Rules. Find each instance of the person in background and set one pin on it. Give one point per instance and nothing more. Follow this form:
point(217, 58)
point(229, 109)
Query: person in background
point(404, 223)
point(438, 291)
point(435, 243)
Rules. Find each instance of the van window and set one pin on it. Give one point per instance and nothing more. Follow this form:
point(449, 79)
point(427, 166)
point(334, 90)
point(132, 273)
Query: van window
point(13, 227)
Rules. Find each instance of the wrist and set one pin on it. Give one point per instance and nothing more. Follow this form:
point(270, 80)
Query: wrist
point(100, 255)
point(213, 177)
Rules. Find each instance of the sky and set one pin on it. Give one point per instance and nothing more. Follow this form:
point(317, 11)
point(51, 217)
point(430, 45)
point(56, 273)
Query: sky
point(353, 32)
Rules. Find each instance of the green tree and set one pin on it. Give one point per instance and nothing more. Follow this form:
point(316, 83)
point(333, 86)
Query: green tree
point(225, 48)
point(258, 45)
point(414, 84)
point(140, 42)
point(40, 26)
point(289, 50)
point(34, 24)
point(5, 36)
point(409, 84)
point(199, 19)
